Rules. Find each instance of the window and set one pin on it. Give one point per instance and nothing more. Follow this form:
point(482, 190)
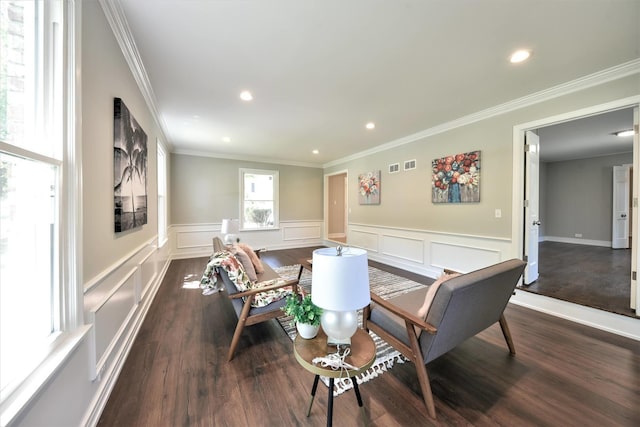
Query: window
point(162, 195)
point(259, 202)
point(32, 177)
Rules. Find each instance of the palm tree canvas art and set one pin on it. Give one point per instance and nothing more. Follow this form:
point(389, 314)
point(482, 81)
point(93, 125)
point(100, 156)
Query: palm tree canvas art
point(129, 169)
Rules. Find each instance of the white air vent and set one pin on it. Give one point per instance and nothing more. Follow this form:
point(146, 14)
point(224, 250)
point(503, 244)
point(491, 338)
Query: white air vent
point(393, 168)
point(409, 164)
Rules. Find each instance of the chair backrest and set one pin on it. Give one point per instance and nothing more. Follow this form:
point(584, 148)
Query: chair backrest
point(217, 245)
point(468, 304)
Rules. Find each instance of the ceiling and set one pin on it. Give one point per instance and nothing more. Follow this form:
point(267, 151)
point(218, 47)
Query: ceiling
point(591, 136)
point(320, 70)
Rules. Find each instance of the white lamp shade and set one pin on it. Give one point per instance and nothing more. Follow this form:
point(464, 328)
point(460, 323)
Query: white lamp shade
point(340, 283)
point(230, 226)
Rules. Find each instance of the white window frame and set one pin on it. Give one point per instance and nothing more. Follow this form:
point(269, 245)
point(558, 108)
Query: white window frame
point(59, 116)
point(162, 195)
point(276, 199)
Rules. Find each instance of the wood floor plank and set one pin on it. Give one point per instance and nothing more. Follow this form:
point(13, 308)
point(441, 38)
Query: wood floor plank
point(177, 375)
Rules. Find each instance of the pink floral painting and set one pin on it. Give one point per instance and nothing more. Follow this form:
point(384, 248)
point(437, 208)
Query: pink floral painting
point(456, 178)
point(369, 188)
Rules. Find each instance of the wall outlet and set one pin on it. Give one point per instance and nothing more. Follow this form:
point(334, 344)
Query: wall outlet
point(578, 234)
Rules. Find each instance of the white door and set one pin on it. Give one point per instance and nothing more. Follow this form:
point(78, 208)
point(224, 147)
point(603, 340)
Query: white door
point(531, 214)
point(620, 220)
point(635, 188)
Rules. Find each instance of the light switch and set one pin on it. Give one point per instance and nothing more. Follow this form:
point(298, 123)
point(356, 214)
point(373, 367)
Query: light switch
point(498, 213)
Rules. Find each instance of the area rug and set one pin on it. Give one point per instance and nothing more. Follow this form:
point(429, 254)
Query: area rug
point(382, 283)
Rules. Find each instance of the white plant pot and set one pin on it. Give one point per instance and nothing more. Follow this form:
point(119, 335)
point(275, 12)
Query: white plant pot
point(307, 331)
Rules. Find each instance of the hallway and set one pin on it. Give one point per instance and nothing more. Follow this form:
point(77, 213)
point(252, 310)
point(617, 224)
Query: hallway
point(593, 276)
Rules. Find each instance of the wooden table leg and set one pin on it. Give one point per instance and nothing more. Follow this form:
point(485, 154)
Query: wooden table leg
point(357, 390)
point(330, 404)
point(313, 393)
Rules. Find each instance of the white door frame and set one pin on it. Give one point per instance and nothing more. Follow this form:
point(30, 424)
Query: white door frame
point(326, 203)
point(517, 211)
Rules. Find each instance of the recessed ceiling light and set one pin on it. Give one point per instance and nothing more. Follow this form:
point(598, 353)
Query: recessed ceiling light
point(245, 95)
point(315, 151)
point(370, 125)
point(226, 139)
point(520, 55)
point(628, 132)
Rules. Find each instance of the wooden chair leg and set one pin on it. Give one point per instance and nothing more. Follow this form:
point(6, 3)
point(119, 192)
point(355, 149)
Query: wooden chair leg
point(507, 334)
point(236, 339)
point(421, 370)
point(242, 319)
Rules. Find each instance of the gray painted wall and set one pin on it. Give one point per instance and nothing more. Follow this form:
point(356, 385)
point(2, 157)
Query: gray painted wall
point(207, 189)
point(578, 197)
point(105, 75)
point(406, 196)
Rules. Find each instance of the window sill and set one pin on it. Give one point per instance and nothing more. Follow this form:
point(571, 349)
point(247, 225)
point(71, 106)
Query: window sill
point(13, 404)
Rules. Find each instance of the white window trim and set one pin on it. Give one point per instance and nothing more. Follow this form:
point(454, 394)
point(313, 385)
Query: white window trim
point(276, 197)
point(72, 330)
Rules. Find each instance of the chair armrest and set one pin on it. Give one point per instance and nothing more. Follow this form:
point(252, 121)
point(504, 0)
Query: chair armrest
point(405, 315)
point(248, 292)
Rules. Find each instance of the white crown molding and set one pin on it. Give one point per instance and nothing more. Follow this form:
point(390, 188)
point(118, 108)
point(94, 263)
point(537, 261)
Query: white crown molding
point(601, 77)
point(120, 27)
point(245, 158)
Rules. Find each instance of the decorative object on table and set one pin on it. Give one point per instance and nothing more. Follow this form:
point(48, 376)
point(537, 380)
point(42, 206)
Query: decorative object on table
point(129, 169)
point(456, 178)
point(230, 229)
point(369, 188)
point(305, 313)
point(340, 286)
point(382, 283)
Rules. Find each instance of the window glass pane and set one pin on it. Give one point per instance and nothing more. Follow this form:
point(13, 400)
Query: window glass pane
point(21, 78)
point(258, 214)
point(258, 187)
point(28, 260)
point(259, 204)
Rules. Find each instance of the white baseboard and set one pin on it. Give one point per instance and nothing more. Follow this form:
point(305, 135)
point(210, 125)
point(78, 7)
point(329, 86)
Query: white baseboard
point(617, 324)
point(577, 241)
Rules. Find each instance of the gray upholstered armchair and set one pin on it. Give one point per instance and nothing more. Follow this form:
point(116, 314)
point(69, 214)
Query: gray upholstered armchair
point(461, 307)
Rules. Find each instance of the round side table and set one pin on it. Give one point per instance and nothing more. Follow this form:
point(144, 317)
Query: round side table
point(362, 356)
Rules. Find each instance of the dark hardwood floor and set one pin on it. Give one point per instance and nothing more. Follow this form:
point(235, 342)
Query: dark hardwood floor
point(593, 276)
point(564, 374)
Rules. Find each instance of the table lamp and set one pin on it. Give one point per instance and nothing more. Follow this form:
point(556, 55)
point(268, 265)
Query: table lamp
point(340, 286)
point(230, 228)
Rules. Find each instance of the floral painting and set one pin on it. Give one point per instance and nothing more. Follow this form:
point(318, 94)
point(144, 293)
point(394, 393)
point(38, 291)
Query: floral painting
point(456, 178)
point(369, 188)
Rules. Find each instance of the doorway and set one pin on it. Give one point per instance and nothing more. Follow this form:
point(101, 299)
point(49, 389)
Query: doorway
point(576, 204)
point(336, 201)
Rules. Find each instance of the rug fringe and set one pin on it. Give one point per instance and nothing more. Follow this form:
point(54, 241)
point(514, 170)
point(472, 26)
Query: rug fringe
point(340, 385)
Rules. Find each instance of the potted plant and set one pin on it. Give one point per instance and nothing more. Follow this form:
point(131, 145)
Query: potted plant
point(305, 313)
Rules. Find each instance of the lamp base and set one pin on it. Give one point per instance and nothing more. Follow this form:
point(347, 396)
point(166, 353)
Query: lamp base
point(339, 327)
point(338, 342)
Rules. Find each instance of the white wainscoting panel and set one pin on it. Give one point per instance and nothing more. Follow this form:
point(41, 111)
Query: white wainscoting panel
point(425, 252)
point(462, 258)
point(407, 248)
point(109, 316)
point(363, 239)
point(195, 240)
point(301, 232)
point(147, 269)
point(116, 301)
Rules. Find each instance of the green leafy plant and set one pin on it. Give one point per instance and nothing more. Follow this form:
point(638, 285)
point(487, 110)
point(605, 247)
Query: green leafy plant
point(303, 311)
